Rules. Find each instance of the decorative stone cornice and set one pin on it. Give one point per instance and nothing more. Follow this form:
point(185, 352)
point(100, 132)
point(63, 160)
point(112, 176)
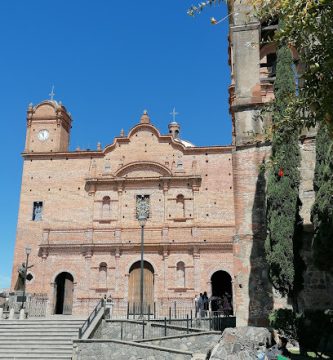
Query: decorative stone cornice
point(92, 183)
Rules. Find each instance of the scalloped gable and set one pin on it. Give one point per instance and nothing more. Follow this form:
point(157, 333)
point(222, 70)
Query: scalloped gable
point(140, 128)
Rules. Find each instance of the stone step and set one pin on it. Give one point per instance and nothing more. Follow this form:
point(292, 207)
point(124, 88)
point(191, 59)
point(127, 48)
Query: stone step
point(32, 322)
point(36, 356)
point(37, 329)
point(53, 350)
point(41, 327)
point(60, 337)
point(21, 322)
point(23, 353)
point(38, 338)
point(22, 334)
point(47, 342)
point(37, 345)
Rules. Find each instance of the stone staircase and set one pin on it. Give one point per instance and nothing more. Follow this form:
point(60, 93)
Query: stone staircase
point(42, 338)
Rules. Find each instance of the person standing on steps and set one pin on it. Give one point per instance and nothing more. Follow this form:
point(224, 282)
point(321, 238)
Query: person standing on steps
point(206, 303)
point(196, 305)
point(201, 305)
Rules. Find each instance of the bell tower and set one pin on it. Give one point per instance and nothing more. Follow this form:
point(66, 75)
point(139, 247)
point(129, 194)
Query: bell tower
point(249, 90)
point(252, 58)
point(48, 127)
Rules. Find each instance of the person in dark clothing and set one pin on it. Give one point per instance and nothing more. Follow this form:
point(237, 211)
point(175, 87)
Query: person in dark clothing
point(206, 302)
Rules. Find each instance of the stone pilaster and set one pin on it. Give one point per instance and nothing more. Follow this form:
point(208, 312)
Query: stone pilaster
point(196, 270)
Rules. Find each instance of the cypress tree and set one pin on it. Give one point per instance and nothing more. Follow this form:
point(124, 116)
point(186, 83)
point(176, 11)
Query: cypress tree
point(322, 210)
point(283, 180)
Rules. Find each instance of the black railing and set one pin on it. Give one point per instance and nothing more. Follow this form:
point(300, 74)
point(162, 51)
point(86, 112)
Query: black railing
point(91, 318)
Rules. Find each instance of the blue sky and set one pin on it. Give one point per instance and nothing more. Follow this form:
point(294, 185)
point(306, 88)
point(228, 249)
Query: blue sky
point(108, 60)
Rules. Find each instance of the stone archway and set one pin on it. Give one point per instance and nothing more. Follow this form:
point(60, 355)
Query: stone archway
point(134, 287)
point(64, 287)
point(222, 285)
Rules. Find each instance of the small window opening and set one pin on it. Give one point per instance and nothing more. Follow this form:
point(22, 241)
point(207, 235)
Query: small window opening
point(37, 211)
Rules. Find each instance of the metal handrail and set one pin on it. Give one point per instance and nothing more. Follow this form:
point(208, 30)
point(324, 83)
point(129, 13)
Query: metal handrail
point(91, 318)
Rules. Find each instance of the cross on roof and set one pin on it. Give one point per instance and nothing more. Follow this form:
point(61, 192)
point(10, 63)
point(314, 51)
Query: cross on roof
point(174, 114)
point(52, 93)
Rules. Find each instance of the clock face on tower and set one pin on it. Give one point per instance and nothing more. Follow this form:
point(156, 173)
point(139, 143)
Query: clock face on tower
point(43, 135)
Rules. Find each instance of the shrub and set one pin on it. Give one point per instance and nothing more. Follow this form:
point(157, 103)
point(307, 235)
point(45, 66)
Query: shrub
point(313, 329)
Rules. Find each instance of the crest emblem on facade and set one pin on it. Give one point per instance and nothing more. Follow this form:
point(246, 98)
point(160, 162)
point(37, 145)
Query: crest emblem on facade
point(142, 206)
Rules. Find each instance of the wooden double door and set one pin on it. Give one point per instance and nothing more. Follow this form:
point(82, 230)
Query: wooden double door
point(134, 288)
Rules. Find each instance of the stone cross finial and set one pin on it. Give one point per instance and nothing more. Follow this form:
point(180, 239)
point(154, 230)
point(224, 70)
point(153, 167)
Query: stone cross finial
point(174, 114)
point(52, 93)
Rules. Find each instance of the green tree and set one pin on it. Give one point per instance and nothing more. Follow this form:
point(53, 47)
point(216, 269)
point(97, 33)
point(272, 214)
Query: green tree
point(322, 210)
point(283, 180)
point(307, 29)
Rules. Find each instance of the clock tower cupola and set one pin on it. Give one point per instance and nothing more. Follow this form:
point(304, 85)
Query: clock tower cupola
point(48, 127)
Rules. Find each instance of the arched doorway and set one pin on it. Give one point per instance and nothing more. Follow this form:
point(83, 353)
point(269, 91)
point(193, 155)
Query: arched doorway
point(64, 287)
point(222, 285)
point(134, 287)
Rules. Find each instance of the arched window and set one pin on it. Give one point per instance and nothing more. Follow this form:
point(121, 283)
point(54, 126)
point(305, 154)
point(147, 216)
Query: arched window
point(180, 206)
point(102, 275)
point(106, 207)
point(180, 269)
point(268, 62)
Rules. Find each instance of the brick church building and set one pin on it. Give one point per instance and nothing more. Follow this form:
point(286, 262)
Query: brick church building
point(205, 230)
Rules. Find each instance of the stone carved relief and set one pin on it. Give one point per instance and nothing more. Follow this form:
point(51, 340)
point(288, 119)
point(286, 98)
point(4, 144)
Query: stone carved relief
point(142, 206)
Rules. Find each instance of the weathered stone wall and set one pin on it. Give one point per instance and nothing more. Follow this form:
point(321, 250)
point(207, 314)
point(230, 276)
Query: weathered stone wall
point(254, 295)
point(199, 343)
point(113, 349)
point(250, 88)
point(318, 285)
point(132, 331)
point(241, 343)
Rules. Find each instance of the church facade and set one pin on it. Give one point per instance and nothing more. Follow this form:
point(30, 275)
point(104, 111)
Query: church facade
point(78, 213)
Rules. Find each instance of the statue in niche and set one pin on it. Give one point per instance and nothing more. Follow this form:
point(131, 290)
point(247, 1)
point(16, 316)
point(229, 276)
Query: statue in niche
point(142, 206)
point(38, 212)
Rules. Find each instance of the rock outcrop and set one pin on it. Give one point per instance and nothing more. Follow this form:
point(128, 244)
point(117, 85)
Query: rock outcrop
point(242, 343)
